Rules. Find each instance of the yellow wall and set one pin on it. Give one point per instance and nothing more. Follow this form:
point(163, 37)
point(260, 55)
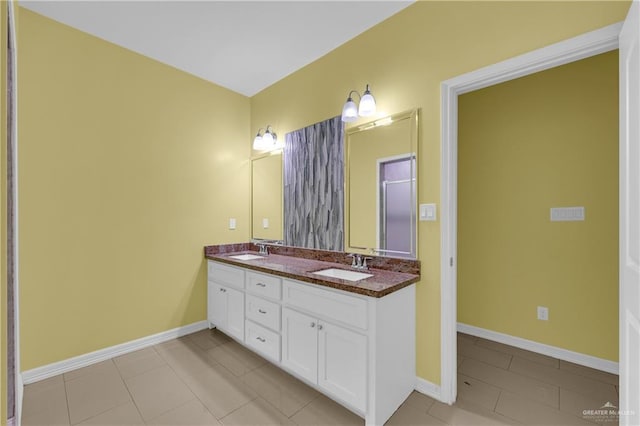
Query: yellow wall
point(405, 59)
point(128, 167)
point(542, 141)
point(266, 196)
point(3, 210)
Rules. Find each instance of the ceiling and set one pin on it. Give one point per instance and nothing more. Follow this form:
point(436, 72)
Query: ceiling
point(244, 46)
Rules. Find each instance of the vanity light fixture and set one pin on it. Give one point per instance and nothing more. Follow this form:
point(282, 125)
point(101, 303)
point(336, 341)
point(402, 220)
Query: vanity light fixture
point(350, 111)
point(266, 141)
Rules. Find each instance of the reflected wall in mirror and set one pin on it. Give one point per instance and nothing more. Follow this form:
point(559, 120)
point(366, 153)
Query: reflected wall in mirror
point(382, 186)
point(314, 186)
point(266, 196)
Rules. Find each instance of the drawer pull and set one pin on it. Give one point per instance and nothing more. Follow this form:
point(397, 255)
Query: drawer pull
point(313, 324)
point(261, 284)
point(261, 311)
point(319, 326)
point(224, 290)
point(260, 339)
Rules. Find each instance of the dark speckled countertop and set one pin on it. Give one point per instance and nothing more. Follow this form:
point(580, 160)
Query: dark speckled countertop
point(383, 281)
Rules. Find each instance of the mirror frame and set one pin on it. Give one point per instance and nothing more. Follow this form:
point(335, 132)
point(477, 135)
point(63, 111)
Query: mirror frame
point(414, 116)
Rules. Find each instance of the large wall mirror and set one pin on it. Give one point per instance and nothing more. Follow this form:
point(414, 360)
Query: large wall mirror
point(266, 196)
point(381, 186)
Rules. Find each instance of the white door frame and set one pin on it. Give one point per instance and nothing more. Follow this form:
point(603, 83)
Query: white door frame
point(574, 49)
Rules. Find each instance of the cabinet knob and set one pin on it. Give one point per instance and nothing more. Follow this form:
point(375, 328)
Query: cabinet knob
point(261, 311)
point(319, 326)
point(223, 290)
point(313, 324)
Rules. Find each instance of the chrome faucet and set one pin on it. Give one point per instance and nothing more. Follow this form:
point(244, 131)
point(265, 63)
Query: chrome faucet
point(359, 261)
point(263, 249)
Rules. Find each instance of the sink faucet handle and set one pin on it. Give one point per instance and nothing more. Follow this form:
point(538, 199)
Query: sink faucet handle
point(364, 262)
point(354, 262)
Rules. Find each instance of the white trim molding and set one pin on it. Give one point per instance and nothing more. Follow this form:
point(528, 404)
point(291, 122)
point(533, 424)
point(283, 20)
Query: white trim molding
point(564, 52)
point(64, 366)
point(541, 348)
point(428, 388)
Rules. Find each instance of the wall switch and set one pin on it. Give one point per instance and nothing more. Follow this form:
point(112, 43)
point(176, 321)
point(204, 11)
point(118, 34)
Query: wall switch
point(543, 313)
point(265, 223)
point(428, 212)
point(232, 223)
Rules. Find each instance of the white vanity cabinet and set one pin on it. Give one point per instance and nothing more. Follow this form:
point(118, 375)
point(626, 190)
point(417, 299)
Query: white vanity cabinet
point(225, 297)
point(358, 350)
point(332, 357)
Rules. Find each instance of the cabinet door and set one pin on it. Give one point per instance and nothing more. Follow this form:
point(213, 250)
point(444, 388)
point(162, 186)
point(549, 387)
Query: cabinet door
point(342, 364)
point(300, 344)
point(235, 313)
point(217, 305)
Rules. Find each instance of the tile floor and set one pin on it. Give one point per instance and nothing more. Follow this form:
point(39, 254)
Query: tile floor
point(207, 379)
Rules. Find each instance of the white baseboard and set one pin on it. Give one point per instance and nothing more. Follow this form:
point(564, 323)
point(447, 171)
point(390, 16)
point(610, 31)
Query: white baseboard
point(430, 389)
point(50, 370)
point(541, 348)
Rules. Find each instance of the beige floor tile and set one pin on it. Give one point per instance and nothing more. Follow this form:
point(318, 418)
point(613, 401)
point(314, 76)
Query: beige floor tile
point(280, 389)
point(592, 373)
point(191, 413)
point(469, 349)
point(95, 368)
point(183, 342)
point(531, 356)
point(324, 411)
point(138, 362)
point(467, 414)
point(412, 415)
point(468, 337)
point(565, 379)
point(95, 392)
point(256, 412)
point(532, 413)
point(219, 390)
point(126, 414)
point(158, 391)
point(576, 403)
point(207, 339)
point(419, 401)
point(45, 403)
point(477, 392)
point(236, 358)
point(522, 385)
point(186, 359)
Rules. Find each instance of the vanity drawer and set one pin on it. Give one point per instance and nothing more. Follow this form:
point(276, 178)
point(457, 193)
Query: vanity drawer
point(264, 285)
point(263, 312)
point(225, 274)
point(349, 310)
point(262, 340)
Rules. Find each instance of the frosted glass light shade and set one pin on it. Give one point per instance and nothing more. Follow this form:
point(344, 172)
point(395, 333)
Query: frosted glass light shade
point(367, 105)
point(258, 143)
point(349, 111)
point(267, 139)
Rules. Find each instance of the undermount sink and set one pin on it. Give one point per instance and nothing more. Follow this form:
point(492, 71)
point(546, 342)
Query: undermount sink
point(246, 257)
point(343, 274)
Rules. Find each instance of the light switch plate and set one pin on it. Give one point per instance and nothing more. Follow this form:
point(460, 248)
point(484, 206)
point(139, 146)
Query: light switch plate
point(265, 223)
point(232, 223)
point(428, 212)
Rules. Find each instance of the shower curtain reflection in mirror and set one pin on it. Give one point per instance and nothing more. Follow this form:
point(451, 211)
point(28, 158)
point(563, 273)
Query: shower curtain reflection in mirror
point(396, 187)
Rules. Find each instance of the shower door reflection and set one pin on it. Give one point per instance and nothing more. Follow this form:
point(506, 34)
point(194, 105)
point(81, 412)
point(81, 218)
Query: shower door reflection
point(395, 207)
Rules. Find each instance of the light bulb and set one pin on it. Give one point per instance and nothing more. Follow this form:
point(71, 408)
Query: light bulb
point(367, 104)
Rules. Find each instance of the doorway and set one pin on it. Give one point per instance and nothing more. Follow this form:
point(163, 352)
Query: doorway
point(587, 45)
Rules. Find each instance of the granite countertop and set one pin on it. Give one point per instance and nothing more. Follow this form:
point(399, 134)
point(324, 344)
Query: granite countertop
point(380, 284)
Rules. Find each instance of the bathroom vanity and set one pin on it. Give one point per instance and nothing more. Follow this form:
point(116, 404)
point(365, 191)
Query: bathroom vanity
point(351, 338)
